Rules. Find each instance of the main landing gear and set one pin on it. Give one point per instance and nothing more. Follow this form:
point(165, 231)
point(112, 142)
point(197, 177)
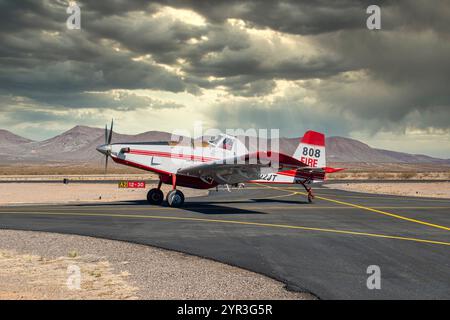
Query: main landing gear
point(155, 195)
point(175, 198)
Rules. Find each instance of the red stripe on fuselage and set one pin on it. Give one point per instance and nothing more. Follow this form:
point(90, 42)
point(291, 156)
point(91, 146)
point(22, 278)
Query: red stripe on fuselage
point(172, 155)
point(140, 166)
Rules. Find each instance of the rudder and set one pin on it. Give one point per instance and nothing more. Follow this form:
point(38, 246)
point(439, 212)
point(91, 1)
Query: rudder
point(311, 150)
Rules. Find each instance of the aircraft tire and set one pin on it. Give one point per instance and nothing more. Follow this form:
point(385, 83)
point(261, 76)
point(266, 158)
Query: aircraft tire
point(155, 196)
point(175, 198)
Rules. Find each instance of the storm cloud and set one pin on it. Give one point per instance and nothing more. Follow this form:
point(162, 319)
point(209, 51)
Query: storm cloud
point(294, 65)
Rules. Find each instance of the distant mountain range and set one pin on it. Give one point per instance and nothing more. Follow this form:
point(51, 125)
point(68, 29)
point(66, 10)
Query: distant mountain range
point(78, 145)
point(7, 139)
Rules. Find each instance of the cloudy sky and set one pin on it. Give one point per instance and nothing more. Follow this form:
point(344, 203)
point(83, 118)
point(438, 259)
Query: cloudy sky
point(293, 65)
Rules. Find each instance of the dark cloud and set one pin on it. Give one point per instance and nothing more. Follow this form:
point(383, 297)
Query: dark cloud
point(296, 16)
point(316, 17)
point(289, 114)
point(257, 88)
point(121, 101)
point(41, 60)
point(28, 14)
point(165, 39)
point(385, 80)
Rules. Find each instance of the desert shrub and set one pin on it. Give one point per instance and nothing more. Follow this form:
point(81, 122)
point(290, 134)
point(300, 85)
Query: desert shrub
point(72, 254)
point(407, 175)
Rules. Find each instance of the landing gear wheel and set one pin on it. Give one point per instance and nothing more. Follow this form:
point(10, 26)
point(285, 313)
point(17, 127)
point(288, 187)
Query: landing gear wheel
point(310, 195)
point(155, 196)
point(175, 198)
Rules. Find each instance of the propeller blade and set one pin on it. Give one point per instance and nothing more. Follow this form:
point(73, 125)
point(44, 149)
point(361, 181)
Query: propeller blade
point(111, 131)
point(106, 164)
point(106, 134)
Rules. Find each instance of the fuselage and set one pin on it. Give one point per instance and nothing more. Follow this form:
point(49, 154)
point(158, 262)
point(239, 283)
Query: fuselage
point(167, 159)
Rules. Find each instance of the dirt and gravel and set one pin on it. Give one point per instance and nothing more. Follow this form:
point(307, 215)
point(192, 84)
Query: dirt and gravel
point(37, 265)
point(386, 171)
point(53, 193)
point(416, 189)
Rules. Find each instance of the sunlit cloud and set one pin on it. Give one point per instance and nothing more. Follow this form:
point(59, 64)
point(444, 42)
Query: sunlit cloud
point(292, 65)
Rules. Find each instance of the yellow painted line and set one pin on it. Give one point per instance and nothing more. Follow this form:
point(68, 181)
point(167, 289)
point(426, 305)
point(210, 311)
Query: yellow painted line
point(271, 197)
point(371, 196)
point(238, 223)
point(120, 206)
point(275, 197)
point(377, 211)
point(387, 213)
point(287, 206)
point(413, 207)
point(384, 196)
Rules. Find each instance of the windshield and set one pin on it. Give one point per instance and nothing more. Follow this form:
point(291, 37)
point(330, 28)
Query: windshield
point(227, 143)
point(215, 140)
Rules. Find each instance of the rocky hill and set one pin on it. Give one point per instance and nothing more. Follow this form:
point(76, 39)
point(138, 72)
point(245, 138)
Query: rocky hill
point(78, 145)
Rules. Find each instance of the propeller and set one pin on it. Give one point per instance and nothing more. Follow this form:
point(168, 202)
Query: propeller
point(106, 142)
point(110, 132)
point(106, 148)
point(106, 164)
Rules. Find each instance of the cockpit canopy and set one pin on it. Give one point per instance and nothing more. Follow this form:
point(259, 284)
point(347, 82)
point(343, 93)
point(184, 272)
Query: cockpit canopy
point(227, 142)
point(215, 140)
point(223, 141)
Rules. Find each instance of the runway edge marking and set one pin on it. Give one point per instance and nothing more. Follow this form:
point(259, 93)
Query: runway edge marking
point(237, 222)
point(372, 209)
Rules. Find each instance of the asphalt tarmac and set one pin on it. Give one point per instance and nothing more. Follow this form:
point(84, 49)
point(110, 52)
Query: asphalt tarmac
point(324, 248)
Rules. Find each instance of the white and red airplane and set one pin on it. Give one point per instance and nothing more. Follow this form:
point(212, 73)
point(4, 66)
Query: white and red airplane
point(224, 160)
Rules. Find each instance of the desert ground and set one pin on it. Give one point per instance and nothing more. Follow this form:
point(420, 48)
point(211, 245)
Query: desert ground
point(16, 190)
point(38, 265)
point(389, 175)
point(64, 169)
point(415, 189)
point(353, 171)
point(14, 193)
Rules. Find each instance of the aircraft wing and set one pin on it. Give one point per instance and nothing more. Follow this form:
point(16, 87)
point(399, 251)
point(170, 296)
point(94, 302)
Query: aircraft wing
point(255, 160)
point(241, 168)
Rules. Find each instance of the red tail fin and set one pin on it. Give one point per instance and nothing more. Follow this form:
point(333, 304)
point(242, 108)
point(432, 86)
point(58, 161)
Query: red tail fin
point(313, 138)
point(311, 150)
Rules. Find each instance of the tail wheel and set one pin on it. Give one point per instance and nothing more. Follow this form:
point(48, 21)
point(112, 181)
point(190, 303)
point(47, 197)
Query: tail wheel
point(155, 196)
point(175, 198)
point(310, 195)
point(309, 191)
